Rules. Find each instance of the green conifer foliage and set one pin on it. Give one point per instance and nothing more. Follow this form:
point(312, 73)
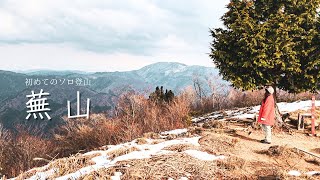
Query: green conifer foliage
point(269, 42)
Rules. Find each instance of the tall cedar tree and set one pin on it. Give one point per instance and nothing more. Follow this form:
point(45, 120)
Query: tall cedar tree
point(159, 97)
point(269, 42)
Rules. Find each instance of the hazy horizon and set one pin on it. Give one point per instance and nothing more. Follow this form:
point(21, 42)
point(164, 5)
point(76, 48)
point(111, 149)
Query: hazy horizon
point(89, 72)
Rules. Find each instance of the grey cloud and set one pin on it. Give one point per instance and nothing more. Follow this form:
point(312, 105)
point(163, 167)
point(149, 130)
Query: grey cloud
point(106, 26)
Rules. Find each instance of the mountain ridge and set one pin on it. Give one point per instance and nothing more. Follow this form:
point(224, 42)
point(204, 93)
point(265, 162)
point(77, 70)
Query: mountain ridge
point(105, 88)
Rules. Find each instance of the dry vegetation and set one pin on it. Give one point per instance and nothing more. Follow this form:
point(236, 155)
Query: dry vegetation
point(275, 162)
point(218, 143)
point(70, 164)
point(136, 116)
point(18, 150)
point(271, 162)
point(163, 167)
point(121, 151)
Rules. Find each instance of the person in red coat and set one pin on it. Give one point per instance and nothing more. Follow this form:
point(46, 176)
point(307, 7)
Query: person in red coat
point(267, 114)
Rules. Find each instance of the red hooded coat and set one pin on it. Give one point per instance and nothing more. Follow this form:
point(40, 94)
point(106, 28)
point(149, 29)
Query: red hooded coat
point(267, 111)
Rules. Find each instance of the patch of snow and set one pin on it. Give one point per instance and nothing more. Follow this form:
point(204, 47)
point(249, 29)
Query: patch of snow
point(148, 141)
point(42, 175)
point(203, 155)
point(176, 132)
point(198, 119)
point(245, 116)
point(284, 107)
point(195, 120)
point(80, 172)
point(92, 152)
point(173, 71)
point(147, 150)
point(162, 137)
point(311, 173)
point(294, 173)
point(116, 176)
point(103, 161)
point(294, 106)
point(229, 112)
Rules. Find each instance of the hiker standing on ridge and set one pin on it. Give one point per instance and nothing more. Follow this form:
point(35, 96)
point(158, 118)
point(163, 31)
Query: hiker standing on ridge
point(267, 114)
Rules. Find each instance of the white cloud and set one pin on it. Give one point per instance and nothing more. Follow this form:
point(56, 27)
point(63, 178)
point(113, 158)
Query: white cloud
point(64, 57)
point(101, 29)
point(174, 44)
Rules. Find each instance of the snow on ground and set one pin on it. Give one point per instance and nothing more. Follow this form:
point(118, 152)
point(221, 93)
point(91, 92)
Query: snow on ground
point(116, 176)
point(143, 151)
point(311, 173)
point(176, 132)
point(203, 155)
point(42, 175)
point(298, 173)
point(250, 112)
point(294, 173)
point(150, 148)
point(290, 107)
point(284, 107)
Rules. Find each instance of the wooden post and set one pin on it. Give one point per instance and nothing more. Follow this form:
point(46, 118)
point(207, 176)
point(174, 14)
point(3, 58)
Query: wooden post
point(300, 125)
point(313, 108)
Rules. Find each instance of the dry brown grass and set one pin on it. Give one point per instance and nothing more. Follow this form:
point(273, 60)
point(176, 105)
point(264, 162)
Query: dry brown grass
point(171, 136)
point(240, 98)
point(181, 165)
point(85, 134)
point(284, 151)
point(180, 147)
point(316, 150)
point(101, 174)
point(284, 96)
point(214, 124)
point(121, 151)
point(157, 141)
point(165, 166)
point(218, 143)
point(266, 173)
point(234, 167)
point(17, 151)
point(134, 116)
point(141, 141)
point(287, 158)
point(195, 130)
point(276, 164)
point(151, 135)
point(70, 164)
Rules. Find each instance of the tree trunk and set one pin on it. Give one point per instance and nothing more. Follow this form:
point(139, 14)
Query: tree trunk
point(278, 115)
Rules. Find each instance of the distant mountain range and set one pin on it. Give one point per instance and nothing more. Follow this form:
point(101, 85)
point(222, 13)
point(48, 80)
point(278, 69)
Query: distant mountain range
point(103, 91)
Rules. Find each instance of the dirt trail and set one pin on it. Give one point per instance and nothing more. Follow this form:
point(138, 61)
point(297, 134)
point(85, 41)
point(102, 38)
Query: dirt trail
point(249, 147)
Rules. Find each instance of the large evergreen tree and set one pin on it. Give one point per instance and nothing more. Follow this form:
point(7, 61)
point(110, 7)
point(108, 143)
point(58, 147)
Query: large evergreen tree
point(269, 42)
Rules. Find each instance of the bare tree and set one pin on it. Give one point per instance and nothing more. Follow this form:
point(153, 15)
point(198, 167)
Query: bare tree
point(198, 87)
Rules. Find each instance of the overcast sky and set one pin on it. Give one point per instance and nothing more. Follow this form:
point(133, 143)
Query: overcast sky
point(105, 35)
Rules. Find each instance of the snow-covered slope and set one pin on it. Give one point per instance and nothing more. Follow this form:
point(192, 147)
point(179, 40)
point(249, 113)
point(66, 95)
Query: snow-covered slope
point(174, 76)
point(250, 112)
